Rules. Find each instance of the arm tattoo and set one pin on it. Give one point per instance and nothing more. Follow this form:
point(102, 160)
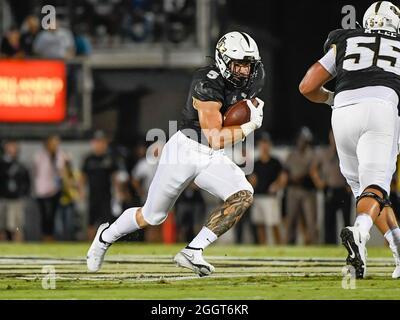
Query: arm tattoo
point(224, 217)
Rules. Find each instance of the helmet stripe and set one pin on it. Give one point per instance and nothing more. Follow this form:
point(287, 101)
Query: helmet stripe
point(246, 38)
point(377, 7)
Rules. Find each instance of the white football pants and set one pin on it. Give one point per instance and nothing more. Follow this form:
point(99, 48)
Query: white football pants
point(182, 161)
point(367, 137)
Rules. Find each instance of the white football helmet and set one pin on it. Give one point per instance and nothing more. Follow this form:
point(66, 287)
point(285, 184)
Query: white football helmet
point(237, 48)
point(382, 15)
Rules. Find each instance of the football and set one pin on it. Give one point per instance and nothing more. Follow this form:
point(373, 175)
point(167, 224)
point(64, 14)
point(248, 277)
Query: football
point(238, 113)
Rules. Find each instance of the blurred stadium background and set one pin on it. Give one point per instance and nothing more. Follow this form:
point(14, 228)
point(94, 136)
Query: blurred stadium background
point(126, 66)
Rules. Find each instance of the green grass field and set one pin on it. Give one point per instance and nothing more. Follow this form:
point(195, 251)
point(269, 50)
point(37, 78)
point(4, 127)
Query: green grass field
point(144, 271)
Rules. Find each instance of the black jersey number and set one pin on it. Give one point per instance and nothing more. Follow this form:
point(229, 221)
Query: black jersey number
point(359, 54)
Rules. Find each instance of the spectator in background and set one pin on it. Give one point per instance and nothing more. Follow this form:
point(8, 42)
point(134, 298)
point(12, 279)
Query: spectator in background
point(58, 43)
point(137, 153)
point(99, 174)
point(32, 28)
point(104, 19)
point(14, 188)
point(325, 172)
point(81, 41)
point(49, 164)
point(144, 170)
point(190, 213)
point(142, 175)
point(71, 193)
point(10, 44)
point(137, 23)
point(123, 198)
point(245, 225)
point(55, 43)
point(131, 158)
point(301, 195)
point(268, 179)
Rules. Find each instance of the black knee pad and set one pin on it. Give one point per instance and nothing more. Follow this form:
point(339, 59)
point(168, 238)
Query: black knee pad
point(383, 202)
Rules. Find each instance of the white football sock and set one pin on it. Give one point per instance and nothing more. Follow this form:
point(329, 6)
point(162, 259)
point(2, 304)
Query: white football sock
point(396, 236)
point(364, 223)
point(393, 237)
point(125, 224)
point(203, 239)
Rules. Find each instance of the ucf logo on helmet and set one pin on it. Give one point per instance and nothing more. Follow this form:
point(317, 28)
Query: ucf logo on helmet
point(221, 45)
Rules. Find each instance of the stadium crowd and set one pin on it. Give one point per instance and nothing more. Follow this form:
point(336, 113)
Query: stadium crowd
point(30, 40)
point(103, 24)
point(111, 178)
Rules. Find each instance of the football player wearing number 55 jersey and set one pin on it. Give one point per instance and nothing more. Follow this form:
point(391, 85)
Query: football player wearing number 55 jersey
point(365, 121)
point(196, 154)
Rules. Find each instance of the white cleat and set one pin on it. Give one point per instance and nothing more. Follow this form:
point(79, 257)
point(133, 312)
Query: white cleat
point(396, 272)
point(355, 243)
point(97, 250)
point(193, 259)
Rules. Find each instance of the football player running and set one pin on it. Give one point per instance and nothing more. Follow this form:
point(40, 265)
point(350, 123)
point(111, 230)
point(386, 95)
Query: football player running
point(365, 121)
point(196, 153)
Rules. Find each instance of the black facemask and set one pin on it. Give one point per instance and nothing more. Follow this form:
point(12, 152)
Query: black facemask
point(239, 80)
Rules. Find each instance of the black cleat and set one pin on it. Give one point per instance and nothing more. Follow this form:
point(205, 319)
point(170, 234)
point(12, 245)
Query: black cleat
point(357, 252)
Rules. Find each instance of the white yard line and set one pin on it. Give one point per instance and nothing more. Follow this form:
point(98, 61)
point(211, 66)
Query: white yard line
point(163, 279)
point(168, 258)
point(146, 268)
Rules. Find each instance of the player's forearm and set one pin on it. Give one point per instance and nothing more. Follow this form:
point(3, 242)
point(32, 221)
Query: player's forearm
point(220, 138)
point(320, 95)
point(312, 85)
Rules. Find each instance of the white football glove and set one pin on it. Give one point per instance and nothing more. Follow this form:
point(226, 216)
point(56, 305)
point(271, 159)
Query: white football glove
point(331, 98)
point(256, 117)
